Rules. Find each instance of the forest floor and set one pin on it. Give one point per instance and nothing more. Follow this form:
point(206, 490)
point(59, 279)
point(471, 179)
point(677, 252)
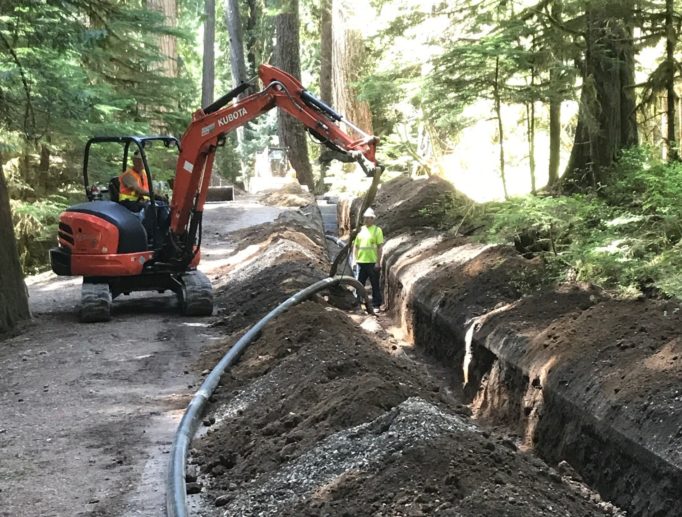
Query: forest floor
point(88, 412)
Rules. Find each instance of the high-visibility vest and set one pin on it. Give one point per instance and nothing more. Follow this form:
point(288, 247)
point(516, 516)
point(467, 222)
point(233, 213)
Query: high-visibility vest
point(128, 194)
point(367, 243)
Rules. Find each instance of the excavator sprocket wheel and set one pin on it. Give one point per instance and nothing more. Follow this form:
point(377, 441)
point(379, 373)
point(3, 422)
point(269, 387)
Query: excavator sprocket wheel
point(95, 302)
point(197, 294)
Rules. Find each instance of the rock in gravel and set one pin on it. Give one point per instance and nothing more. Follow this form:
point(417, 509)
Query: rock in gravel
point(193, 488)
point(209, 421)
point(222, 500)
point(191, 474)
point(565, 469)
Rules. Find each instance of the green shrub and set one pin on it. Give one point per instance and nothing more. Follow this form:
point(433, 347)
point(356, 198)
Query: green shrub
point(626, 237)
point(35, 228)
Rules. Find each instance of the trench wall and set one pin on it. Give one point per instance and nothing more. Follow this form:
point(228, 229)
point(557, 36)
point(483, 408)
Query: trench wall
point(579, 376)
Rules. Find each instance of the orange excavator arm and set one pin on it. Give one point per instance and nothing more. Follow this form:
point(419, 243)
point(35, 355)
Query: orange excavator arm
point(210, 125)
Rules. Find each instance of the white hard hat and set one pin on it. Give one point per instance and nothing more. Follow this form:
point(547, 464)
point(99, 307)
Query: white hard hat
point(369, 213)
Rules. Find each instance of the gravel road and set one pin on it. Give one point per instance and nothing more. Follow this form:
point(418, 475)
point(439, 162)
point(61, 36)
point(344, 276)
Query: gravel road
point(87, 412)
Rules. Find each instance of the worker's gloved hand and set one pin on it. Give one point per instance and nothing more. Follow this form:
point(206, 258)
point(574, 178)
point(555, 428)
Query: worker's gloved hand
point(377, 267)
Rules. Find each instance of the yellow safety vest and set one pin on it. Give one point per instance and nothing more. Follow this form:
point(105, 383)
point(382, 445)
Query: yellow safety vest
point(128, 194)
point(367, 243)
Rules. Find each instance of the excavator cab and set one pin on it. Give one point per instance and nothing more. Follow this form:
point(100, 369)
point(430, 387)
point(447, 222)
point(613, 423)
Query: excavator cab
point(106, 157)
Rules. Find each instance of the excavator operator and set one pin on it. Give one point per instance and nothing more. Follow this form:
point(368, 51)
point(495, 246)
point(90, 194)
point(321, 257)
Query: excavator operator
point(134, 195)
point(134, 187)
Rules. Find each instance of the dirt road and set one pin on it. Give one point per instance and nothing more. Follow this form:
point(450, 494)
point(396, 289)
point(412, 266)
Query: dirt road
point(87, 412)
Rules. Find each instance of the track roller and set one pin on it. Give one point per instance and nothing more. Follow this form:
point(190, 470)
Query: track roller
point(197, 294)
point(95, 302)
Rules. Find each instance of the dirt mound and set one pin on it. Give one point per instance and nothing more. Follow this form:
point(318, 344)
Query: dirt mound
point(291, 195)
point(270, 262)
point(327, 414)
point(322, 418)
point(405, 204)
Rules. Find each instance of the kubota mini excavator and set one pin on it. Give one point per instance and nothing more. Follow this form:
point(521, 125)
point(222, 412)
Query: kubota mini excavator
point(117, 251)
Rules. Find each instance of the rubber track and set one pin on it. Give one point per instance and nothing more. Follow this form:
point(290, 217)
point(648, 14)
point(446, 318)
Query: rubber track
point(197, 294)
point(95, 303)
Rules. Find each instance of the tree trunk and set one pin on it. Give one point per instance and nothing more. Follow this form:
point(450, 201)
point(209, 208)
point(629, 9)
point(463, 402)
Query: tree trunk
point(670, 44)
point(208, 62)
point(326, 87)
point(606, 121)
point(286, 56)
point(326, 45)
point(13, 299)
point(530, 119)
point(254, 49)
point(554, 141)
point(348, 55)
point(554, 113)
point(167, 44)
point(500, 125)
point(233, 20)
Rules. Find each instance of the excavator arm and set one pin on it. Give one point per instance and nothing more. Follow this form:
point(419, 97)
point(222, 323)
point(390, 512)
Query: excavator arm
point(210, 125)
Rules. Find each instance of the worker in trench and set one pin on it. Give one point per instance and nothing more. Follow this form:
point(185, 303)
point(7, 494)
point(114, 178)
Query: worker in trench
point(368, 248)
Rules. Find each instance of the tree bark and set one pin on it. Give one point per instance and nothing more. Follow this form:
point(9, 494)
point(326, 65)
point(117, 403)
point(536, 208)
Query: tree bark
point(606, 121)
point(554, 141)
point(326, 45)
point(348, 55)
point(168, 46)
point(530, 119)
point(208, 62)
point(233, 20)
point(500, 126)
point(13, 298)
point(254, 48)
point(287, 57)
point(554, 113)
point(670, 44)
point(326, 87)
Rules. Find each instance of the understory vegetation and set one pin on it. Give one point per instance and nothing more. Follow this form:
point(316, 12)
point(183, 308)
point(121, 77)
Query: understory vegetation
point(626, 237)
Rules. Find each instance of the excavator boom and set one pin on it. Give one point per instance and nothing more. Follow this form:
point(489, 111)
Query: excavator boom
point(210, 125)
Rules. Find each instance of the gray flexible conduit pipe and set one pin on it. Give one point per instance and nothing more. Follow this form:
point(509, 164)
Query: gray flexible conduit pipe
point(176, 498)
point(335, 240)
point(341, 244)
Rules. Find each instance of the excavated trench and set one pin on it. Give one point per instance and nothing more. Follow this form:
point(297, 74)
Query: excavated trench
point(590, 383)
point(328, 414)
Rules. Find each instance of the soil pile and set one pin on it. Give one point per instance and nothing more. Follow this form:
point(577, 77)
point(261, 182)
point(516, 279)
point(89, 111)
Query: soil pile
point(269, 263)
point(404, 204)
point(327, 414)
point(291, 195)
point(323, 418)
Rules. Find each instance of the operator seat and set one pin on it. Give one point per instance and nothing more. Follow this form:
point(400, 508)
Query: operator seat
point(114, 188)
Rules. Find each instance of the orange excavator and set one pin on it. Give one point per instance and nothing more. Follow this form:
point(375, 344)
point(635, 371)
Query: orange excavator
point(117, 251)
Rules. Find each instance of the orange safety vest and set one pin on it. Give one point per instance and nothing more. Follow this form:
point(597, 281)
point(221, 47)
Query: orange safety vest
point(128, 194)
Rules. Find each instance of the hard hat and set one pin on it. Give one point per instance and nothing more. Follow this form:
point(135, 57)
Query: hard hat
point(369, 213)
